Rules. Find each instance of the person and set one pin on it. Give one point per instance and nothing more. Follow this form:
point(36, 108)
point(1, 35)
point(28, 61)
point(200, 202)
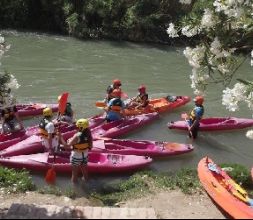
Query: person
point(80, 144)
point(116, 84)
point(115, 107)
point(11, 121)
point(51, 137)
point(195, 116)
point(68, 115)
point(141, 100)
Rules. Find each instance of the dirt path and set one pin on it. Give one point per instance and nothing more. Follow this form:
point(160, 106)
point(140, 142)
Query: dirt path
point(167, 204)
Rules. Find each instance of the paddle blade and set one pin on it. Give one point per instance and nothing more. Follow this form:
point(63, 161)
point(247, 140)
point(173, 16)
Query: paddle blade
point(50, 176)
point(100, 104)
point(63, 102)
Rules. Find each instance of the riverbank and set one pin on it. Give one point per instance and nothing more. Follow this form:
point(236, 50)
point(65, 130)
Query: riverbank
point(174, 195)
point(167, 204)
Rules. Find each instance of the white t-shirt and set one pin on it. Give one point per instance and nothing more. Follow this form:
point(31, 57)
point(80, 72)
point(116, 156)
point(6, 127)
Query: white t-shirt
point(50, 128)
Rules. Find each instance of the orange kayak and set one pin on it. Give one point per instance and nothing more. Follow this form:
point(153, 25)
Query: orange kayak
point(159, 105)
point(224, 191)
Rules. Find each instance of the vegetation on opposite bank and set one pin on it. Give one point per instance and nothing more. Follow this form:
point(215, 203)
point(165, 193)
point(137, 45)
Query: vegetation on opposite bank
point(138, 185)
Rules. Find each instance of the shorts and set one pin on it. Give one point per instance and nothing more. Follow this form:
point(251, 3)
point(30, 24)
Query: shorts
point(78, 158)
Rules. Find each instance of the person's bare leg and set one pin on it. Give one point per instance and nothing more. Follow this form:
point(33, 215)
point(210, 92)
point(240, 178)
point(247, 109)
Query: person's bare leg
point(84, 172)
point(74, 174)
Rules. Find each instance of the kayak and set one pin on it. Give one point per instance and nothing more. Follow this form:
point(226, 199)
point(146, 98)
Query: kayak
point(30, 145)
point(215, 124)
point(123, 126)
point(230, 196)
point(97, 162)
point(159, 105)
point(30, 110)
point(10, 140)
point(98, 130)
point(7, 140)
point(141, 147)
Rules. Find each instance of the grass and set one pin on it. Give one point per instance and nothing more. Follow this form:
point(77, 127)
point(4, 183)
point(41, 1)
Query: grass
point(148, 182)
point(12, 181)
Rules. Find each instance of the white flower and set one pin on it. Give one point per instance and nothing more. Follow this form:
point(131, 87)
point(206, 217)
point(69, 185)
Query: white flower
point(186, 2)
point(207, 19)
point(1, 39)
point(249, 134)
point(189, 31)
point(13, 84)
point(171, 31)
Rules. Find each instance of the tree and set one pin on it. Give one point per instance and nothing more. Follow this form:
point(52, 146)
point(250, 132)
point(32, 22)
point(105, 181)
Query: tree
point(223, 30)
point(7, 80)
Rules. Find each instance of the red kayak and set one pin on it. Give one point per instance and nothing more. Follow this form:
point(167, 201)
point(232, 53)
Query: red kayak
point(97, 163)
point(123, 126)
point(215, 124)
point(141, 147)
point(30, 110)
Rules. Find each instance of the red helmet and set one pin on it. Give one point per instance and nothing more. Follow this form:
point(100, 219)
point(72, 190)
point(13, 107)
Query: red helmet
point(199, 100)
point(116, 82)
point(116, 93)
point(142, 89)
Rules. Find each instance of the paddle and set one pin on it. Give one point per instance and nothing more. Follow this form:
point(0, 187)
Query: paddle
point(238, 191)
point(63, 102)
point(51, 174)
point(185, 117)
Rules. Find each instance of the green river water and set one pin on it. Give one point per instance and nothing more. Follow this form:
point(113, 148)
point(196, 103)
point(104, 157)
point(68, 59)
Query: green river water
point(47, 65)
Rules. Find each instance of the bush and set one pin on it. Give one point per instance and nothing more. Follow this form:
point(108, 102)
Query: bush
point(15, 181)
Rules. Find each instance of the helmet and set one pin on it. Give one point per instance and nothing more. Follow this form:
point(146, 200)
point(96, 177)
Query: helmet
point(142, 89)
point(116, 82)
point(59, 98)
point(199, 100)
point(82, 123)
point(116, 93)
point(47, 112)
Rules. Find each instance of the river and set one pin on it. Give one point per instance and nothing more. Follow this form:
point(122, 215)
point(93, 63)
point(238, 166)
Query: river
point(47, 65)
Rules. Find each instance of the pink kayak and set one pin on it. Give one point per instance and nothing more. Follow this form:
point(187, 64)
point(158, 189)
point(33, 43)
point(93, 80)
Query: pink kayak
point(141, 147)
point(30, 110)
point(121, 127)
point(10, 140)
point(97, 163)
point(215, 124)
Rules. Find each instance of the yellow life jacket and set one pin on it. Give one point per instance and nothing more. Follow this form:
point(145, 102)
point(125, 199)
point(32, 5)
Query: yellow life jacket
point(83, 143)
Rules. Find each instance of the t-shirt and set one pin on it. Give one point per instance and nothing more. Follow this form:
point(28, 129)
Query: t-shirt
point(50, 128)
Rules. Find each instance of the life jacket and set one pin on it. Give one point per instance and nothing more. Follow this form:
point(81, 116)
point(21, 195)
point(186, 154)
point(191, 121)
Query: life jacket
point(68, 111)
point(193, 115)
point(83, 143)
point(141, 98)
point(116, 105)
point(8, 114)
point(109, 89)
point(42, 128)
